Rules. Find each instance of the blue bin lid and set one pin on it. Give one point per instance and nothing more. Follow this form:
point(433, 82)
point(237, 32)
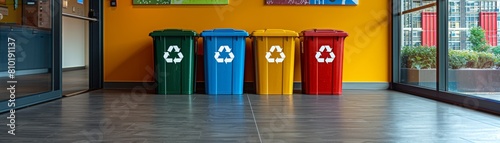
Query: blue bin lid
point(224, 32)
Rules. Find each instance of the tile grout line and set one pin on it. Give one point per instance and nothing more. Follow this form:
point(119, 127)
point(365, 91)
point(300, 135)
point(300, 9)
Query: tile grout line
point(466, 139)
point(254, 120)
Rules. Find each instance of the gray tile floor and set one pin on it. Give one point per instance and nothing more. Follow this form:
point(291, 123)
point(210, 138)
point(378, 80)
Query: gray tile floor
point(27, 85)
point(75, 81)
point(362, 116)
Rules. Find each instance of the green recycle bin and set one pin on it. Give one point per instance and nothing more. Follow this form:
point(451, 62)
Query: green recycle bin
point(174, 59)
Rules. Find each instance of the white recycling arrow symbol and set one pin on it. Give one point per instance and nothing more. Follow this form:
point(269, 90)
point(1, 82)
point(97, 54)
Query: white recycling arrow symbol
point(227, 59)
point(327, 60)
point(277, 60)
point(167, 58)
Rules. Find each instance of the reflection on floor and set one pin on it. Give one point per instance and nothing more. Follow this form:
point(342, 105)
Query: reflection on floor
point(75, 81)
point(357, 116)
point(26, 85)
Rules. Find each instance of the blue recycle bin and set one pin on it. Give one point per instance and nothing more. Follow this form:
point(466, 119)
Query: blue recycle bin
point(224, 60)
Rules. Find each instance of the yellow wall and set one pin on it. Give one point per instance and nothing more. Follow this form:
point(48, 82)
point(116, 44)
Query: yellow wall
point(128, 48)
point(14, 15)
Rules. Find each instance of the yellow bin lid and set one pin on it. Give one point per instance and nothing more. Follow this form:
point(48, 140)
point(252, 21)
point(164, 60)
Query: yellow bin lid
point(275, 32)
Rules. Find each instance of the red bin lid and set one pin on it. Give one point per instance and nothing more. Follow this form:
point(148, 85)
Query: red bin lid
point(324, 32)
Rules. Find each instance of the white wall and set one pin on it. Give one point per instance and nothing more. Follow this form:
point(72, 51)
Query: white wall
point(75, 45)
point(75, 36)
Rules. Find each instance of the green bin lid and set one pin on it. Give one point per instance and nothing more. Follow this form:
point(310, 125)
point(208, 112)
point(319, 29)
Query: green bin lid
point(173, 32)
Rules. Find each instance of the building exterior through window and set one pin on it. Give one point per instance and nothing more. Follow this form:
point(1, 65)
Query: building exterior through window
point(419, 28)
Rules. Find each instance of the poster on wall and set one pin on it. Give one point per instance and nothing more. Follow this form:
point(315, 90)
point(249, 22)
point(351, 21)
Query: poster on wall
point(178, 2)
point(312, 2)
point(4, 10)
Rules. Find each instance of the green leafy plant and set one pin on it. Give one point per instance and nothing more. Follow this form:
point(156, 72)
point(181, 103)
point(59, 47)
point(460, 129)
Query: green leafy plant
point(472, 59)
point(480, 60)
point(485, 60)
point(422, 57)
point(497, 61)
point(478, 40)
point(457, 59)
point(419, 57)
point(496, 50)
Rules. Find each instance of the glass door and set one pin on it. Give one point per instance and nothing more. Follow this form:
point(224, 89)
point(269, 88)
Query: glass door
point(75, 50)
point(30, 52)
point(82, 46)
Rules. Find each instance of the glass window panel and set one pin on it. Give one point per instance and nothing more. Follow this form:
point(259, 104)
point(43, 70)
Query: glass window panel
point(474, 68)
point(25, 32)
point(418, 56)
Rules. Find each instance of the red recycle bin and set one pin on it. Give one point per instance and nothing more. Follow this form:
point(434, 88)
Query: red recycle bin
point(322, 57)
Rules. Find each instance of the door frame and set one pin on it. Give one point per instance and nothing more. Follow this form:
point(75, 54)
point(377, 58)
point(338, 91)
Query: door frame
point(96, 68)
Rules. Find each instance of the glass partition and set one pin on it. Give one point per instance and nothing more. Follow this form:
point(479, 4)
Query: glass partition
point(448, 50)
point(474, 53)
point(27, 47)
point(418, 49)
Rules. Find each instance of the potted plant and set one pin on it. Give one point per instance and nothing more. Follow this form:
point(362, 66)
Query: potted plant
point(479, 74)
point(419, 66)
point(469, 71)
point(475, 70)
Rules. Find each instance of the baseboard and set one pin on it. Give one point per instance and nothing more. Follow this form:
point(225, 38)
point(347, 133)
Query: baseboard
point(25, 72)
point(74, 68)
point(365, 85)
point(249, 87)
point(126, 85)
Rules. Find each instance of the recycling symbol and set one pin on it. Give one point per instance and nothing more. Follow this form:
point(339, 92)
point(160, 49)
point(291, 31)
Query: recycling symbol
point(277, 60)
point(222, 60)
point(173, 60)
point(327, 60)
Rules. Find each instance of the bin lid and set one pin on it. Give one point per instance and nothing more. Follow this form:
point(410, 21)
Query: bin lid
point(173, 32)
point(224, 32)
point(324, 32)
point(275, 32)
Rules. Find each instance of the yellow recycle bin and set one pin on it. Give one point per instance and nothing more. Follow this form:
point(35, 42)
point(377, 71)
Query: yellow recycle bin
point(274, 51)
